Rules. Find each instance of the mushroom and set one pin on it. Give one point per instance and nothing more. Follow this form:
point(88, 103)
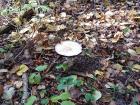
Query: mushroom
point(68, 48)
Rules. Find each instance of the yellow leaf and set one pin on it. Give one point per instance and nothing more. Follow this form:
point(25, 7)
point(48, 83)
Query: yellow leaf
point(117, 66)
point(106, 3)
point(17, 20)
point(138, 50)
point(97, 72)
point(22, 69)
point(117, 37)
point(136, 68)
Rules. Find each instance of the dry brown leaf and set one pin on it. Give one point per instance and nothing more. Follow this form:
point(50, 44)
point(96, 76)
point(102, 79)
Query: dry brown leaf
point(117, 66)
point(117, 37)
point(107, 97)
point(136, 68)
point(137, 50)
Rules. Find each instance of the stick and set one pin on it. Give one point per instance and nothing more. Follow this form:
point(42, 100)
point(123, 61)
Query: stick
point(20, 52)
point(52, 64)
point(25, 88)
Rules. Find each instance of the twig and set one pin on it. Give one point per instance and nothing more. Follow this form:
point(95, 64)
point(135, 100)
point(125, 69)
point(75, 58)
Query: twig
point(20, 51)
point(25, 88)
point(128, 79)
point(52, 64)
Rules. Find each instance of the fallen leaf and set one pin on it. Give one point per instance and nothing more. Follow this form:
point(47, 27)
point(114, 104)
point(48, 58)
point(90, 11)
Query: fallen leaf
point(18, 84)
point(63, 96)
point(136, 68)
point(17, 20)
point(117, 66)
point(98, 72)
point(106, 98)
point(93, 97)
point(137, 50)
point(63, 14)
point(117, 37)
point(136, 18)
point(8, 93)
point(41, 67)
point(109, 85)
point(109, 14)
point(132, 52)
point(2, 50)
point(131, 88)
point(24, 30)
point(97, 95)
point(14, 69)
point(22, 69)
point(67, 103)
point(31, 100)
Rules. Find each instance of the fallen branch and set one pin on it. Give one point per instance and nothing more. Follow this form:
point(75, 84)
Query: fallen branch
point(20, 52)
point(25, 88)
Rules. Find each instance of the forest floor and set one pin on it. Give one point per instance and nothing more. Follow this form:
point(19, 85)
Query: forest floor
point(107, 72)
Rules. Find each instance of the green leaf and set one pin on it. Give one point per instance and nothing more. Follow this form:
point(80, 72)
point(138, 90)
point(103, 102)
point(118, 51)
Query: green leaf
point(96, 95)
point(34, 78)
point(41, 67)
point(67, 103)
point(44, 101)
point(31, 100)
point(126, 30)
point(135, 101)
point(89, 97)
point(62, 66)
point(69, 82)
point(2, 50)
point(63, 96)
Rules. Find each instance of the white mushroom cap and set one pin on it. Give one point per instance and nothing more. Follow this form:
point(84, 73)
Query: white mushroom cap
point(68, 48)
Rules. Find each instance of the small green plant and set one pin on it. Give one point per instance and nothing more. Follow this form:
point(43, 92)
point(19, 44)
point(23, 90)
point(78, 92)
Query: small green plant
point(62, 66)
point(135, 101)
point(34, 78)
point(23, 8)
point(41, 67)
point(68, 82)
point(44, 101)
point(64, 98)
point(93, 95)
point(31, 100)
point(2, 50)
point(126, 30)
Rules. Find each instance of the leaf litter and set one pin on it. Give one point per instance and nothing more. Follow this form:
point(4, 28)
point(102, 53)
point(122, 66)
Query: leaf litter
point(109, 37)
